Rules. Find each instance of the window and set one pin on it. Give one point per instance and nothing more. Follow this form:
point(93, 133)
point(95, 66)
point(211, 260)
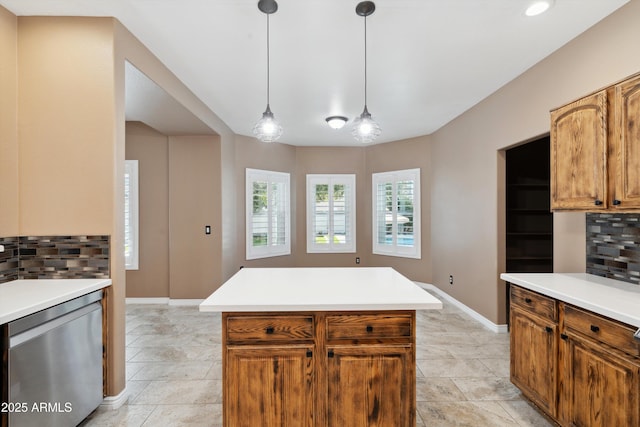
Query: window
point(396, 213)
point(131, 214)
point(268, 217)
point(331, 213)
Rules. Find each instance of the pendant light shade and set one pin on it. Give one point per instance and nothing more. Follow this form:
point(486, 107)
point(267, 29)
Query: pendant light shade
point(267, 129)
point(365, 129)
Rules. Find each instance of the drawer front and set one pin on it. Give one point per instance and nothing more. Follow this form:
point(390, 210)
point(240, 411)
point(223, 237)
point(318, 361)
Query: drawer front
point(534, 302)
point(269, 328)
point(610, 332)
point(369, 326)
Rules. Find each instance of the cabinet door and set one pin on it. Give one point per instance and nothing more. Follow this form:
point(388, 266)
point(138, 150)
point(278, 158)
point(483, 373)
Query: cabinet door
point(602, 387)
point(534, 355)
point(371, 385)
point(269, 386)
point(579, 154)
point(627, 145)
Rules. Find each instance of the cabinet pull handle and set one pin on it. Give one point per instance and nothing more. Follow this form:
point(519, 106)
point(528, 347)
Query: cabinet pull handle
point(269, 330)
point(564, 337)
point(616, 202)
point(369, 328)
point(598, 202)
point(330, 354)
point(595, 328)
point(309, 353)
point(549, 329)
point(527, 300)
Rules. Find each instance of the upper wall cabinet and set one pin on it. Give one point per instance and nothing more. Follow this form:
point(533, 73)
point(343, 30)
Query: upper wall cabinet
point(595, 151)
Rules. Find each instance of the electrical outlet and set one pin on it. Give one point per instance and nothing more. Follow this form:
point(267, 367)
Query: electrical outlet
point(357, 260)
point(450, 279)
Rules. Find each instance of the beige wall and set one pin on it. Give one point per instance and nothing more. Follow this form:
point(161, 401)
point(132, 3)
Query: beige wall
point(151, 149)
point(194, 201)
point(466, 234)
point(249, 153)
point(406, 154)
point(8, 124)
point(68, 170)
point(325, 160)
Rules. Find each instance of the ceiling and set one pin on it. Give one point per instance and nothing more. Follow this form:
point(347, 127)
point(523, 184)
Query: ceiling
point(428, 60)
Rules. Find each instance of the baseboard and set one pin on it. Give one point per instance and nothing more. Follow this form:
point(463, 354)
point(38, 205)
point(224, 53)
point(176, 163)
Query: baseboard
point(493, 327)
point(185, 301)
point(115, 402)
point(163, 301)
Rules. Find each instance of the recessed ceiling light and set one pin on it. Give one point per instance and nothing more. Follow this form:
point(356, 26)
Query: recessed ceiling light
point(336, 122)
point(538, 7)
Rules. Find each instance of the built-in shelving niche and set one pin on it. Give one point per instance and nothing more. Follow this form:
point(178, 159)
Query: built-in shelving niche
point(529, 221)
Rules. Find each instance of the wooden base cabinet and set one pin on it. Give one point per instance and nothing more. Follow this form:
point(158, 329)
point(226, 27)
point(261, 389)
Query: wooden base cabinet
point(319, 369)
point(589, 377)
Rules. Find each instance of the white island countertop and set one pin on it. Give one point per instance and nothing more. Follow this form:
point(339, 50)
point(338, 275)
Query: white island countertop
point(20, 298)
point(318, 289)
point(611, 298)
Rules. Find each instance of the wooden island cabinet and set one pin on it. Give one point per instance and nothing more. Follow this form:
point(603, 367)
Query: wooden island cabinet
point(579, 367)
point(325, 347)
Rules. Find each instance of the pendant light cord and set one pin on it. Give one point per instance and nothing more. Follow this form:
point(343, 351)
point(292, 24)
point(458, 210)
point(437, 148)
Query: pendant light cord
point(268, 62)
point(365, 62)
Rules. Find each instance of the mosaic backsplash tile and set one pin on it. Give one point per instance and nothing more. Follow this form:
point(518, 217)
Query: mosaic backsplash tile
point(9, 259)
point(54, 257)
point(613, 246)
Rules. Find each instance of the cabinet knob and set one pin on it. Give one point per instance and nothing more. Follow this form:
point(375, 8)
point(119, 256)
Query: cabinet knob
point(595, 328)
point(369, 328)
point(527, 300)
point(269, 330)
point(330, 354)
point(616, 202)
point(564, 337)
point(598, 202)
point(309, 353)
point(549, 329)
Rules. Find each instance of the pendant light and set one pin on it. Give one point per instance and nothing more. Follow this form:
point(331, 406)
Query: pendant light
point(365, 129)
point(267, 129)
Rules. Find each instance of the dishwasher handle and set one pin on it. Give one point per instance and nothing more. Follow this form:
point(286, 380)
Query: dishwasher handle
point(32, 333)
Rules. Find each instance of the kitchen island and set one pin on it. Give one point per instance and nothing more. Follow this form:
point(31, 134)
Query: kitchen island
point(319, 346)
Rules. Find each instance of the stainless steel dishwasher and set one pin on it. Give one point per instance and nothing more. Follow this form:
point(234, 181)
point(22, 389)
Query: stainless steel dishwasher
point(55, 364)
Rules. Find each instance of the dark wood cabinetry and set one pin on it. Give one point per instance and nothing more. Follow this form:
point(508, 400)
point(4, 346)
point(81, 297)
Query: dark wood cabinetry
point(319, 369)
point(595, 151)
point(581, 368)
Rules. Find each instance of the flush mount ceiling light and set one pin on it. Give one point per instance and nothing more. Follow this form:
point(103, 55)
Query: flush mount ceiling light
point(336, 122)
point(538, 7)
point(267, 129)
point(365, 129)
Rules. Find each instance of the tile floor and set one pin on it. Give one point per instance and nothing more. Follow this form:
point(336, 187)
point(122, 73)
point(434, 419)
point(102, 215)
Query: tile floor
point(174, 372)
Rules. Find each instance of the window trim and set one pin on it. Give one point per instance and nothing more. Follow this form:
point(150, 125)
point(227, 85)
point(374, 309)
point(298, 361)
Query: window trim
point(394, 249)
point(331, 179)
point(132, 262)
point(271, 177)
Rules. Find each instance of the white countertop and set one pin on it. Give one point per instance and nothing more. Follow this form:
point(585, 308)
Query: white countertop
point(20, 298)
point(319, 289)
point(611, 298)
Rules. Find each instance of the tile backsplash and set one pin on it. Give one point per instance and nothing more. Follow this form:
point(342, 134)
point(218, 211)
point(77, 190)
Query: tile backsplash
point(54, 257)
point(613, 246)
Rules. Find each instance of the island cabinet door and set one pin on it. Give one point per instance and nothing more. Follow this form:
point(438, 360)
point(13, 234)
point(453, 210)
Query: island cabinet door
point(371, 385)
point(269, 386)
point(602, 386)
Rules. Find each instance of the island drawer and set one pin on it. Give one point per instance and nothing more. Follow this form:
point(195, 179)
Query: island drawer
point(598, 328)
point(268, 328)
point(534, 302)
point(374, 326)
